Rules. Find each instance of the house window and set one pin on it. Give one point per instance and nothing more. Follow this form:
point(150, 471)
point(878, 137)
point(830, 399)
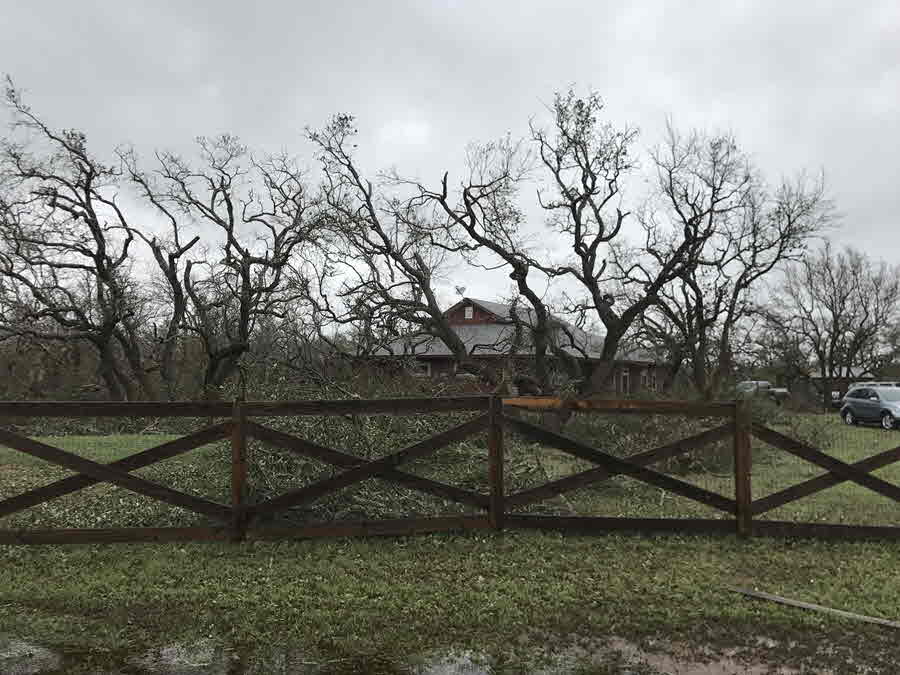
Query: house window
point(421, 369)
point(643, 379)
point(469, 312)
point(653, 381)
point(625, 382)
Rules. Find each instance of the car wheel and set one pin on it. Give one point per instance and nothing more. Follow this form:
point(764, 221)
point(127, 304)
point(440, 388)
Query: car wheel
point(849, 418)
point(887, 421)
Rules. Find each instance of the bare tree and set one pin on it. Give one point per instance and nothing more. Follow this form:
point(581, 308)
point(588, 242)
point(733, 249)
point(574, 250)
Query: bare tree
point(840, 307)
point(65, 247)
point(581, 163)
point(261, 218)
point(481, 216)
point(383, 257)
point(168, 251)
point(781, 354)
point(750, 233)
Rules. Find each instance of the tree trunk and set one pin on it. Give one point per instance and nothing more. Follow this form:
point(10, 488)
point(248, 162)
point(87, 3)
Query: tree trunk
point(220, 366)
point(167, 370)
point(604, 370)
point(671, 372)
point(108, 372)
point(132, 350)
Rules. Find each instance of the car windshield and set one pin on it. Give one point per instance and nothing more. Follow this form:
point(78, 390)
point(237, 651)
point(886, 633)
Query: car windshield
point(890, 394)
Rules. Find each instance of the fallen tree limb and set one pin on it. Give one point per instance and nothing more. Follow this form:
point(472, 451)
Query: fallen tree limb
point(816, 608)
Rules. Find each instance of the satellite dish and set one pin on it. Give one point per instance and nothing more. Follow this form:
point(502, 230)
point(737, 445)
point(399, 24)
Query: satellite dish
point(461, 290)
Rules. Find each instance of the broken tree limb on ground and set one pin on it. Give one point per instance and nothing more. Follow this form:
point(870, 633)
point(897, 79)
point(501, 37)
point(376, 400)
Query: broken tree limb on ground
point(816, 608)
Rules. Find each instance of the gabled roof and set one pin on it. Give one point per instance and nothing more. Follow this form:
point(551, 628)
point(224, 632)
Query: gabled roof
point(497, 338)
point(497, 309)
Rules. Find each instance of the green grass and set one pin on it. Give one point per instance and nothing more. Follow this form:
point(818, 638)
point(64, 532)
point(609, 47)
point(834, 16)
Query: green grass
point(846, 503)
point(203, 470)
point(386, 602)
point(103, 449)
point(389, 601)
point(773, 470)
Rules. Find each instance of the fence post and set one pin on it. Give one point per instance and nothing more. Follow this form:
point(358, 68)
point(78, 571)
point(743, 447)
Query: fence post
point(743, 464)
point(238, 471)
point(495, 462)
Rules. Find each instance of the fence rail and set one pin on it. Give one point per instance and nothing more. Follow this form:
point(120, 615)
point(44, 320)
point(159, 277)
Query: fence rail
point(498, 508)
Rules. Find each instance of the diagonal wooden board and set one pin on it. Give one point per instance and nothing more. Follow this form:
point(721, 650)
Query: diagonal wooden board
point(819, 458)
point(370, 469)
point(601, 473)
point(133, 462)
point(636, 471)
point(105, 474)
point(822, 482)
point(345, 460)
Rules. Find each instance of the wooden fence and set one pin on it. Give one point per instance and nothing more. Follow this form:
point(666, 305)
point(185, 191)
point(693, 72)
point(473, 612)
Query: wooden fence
point(496, 510)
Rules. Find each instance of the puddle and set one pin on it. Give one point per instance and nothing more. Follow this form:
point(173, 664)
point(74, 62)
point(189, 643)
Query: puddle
point(23, 658)
point(454, 663)
point(202, 658)
point(679, 660)
point(613, 655)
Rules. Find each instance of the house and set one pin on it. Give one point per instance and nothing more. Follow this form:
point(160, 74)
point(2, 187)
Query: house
point(492, 333)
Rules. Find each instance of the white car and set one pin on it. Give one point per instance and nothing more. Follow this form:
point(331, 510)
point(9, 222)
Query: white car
point(762, 388)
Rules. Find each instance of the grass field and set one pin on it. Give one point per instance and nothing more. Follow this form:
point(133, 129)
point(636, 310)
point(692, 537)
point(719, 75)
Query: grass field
point(203, 470)
point(102, 449)
point(773, 470)
point(378, 605)
point(386, 602)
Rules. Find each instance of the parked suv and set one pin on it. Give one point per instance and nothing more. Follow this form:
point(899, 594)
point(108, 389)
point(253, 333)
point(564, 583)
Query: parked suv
point(837, 401)
point(854, 385)
point(872, 404)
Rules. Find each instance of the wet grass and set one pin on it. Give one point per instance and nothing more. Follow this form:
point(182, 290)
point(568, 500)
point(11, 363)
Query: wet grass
point(773, 470)
point(204, 471)
point(507, 596)
point(96, 447)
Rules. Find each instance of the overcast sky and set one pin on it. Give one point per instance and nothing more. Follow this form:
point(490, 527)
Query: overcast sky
point(802, 84)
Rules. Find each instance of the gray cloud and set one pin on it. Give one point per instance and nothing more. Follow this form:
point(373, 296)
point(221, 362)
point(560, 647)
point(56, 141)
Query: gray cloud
point(802, 84)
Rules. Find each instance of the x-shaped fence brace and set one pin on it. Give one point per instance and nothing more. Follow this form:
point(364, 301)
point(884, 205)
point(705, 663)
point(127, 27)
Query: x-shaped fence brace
point(333, 457)
point(91, 473)
point(838, 471)
point(117, 473)
point(359, 469)
point(634, 466)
